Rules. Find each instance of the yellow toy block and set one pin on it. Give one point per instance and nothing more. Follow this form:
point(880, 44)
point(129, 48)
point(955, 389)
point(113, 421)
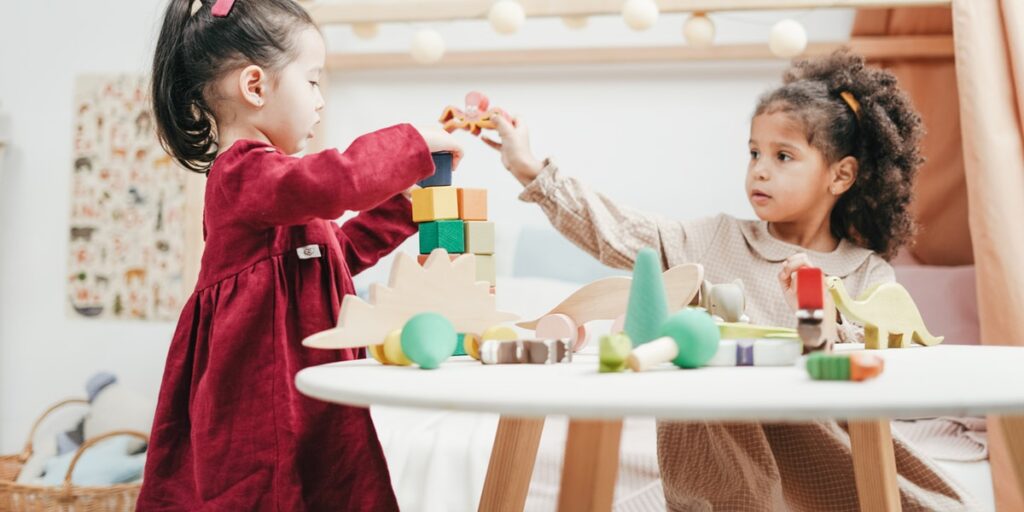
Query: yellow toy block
point(479, 237)
point(485, 268)
point(435, 203)
point(472, 204)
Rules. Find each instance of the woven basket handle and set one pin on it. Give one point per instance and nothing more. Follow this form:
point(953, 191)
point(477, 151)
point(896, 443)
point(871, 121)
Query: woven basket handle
point(27, 451)
point(88, 444)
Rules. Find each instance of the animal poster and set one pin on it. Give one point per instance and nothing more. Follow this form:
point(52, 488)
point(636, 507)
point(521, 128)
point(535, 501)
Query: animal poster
point(126, 240)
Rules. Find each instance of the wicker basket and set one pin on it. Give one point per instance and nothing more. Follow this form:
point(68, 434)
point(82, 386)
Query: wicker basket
point(66, 497)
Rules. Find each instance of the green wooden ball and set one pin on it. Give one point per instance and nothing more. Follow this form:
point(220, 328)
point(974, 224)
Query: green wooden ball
point(695, 333)
point(428, 339)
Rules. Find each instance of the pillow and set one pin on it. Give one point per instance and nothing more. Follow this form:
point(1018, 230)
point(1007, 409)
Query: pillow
point(105, 463)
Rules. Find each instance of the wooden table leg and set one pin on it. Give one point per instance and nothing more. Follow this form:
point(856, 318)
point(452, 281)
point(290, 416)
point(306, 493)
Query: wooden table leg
point(1013, 436)
point(511, 465)
point(591, 465)
point(874, 465)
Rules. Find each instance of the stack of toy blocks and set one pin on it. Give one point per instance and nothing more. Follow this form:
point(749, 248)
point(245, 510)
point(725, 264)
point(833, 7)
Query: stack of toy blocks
point(454, 219)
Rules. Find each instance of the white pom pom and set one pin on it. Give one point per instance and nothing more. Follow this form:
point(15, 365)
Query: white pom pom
point(788, 39)
point(640, 14)
point(506, 16)
point(365, 30)
point(427, 46)
point(575, 22)
point(699, 31)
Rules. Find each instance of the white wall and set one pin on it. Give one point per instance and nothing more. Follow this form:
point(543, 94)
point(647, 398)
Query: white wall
point(668, 138)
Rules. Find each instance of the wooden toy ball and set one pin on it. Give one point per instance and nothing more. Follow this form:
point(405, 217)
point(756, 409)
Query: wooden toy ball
point(428, 339)
point(688, 338)
point(640, 14)
point(506, 16)
point(788, 39)
point(427, 47)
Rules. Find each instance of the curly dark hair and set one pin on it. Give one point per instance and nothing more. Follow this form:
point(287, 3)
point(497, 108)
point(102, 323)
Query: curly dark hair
point(874, 213)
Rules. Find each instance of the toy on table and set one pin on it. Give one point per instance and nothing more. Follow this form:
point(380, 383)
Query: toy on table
point(454, 219)
point(816, 316)
point(858, 366)
point(525, 352)
point(888, 313)
point(613, 352)
point(443, 286)
point(688, 338)
point(757, 352)
point(478, 115)
point(428, 339)
point(725, 302)
point(741, 331)
point(647, 308)
point(608, 298)
point(472, 342)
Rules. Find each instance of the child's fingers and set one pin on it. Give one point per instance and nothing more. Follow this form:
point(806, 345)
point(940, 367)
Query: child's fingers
point(503, 126)
point(491, 143)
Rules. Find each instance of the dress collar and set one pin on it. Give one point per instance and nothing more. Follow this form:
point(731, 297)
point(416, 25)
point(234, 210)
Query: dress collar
point(841, 262)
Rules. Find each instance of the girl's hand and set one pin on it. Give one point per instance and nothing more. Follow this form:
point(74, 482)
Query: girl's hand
point(787, 277)
point(439, 140)
point(515, 150)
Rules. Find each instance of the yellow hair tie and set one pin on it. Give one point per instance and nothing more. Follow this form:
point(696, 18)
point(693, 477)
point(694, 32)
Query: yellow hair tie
point(852, 102)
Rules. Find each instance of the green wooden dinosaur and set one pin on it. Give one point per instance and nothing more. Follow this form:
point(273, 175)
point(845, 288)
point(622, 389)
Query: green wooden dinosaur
point(887, 312)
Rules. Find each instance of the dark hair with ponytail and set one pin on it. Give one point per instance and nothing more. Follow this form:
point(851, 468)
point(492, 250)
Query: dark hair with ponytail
point(194, 50)
point(884, 139)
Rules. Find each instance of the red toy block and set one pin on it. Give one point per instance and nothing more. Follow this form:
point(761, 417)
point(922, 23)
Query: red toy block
point(810, 288)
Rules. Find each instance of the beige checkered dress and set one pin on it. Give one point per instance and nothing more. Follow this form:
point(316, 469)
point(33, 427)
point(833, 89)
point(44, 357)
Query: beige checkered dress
point(742, 466)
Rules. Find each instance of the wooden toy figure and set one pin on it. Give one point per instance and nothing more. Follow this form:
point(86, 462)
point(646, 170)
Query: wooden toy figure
point(477, 116)
point(725, 302)
point(889, 315)
point(688, 338)
point(525, 352)
point(815, 315)
point(856, 366)
point(613, 352)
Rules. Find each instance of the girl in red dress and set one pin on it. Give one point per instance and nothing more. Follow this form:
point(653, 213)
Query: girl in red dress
point(234, 94)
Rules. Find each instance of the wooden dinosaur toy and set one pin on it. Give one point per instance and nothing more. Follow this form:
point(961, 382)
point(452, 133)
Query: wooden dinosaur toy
point(888, 313)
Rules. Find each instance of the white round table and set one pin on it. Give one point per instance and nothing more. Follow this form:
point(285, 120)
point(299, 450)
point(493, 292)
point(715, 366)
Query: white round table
point(917, 382)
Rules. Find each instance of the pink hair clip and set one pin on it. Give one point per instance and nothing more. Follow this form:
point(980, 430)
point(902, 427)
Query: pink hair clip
point(222, 8)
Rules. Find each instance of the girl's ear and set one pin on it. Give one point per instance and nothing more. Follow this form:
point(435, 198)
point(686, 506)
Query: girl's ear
point(252, 84)
point(844, 174)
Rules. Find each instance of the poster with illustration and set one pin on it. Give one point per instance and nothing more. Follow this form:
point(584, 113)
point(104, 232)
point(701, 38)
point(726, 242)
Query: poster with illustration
point(127, 207)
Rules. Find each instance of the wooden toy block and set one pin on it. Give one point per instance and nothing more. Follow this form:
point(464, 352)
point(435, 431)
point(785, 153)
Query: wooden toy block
point(888, 313)
point(440, 285)
point(479, 237)
point(607, 299)
point(856, 366)
point(435, 203)
point(485, 270)
point(472, 203)
point(442, 234)
point(442, 176)
point(688, 338)
point(525, 352)
point(741, 331)
point(460, 345)
point(815, 316)
point(428, 339)
point(497, 332)
point(613, 352)
point(762, 352)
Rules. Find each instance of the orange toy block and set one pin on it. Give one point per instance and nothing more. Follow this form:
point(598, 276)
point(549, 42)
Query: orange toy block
point(435, 203)
point(472, 204)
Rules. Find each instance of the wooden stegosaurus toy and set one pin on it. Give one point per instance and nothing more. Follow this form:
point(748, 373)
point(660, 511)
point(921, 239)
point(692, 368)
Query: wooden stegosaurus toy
point(888, 313)
point(445, 286)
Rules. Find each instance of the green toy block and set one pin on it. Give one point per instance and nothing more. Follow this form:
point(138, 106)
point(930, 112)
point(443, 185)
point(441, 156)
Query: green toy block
point(442, 234)
point(460, 348)
point(612, 353)
point(648, 305)
point(428, 339)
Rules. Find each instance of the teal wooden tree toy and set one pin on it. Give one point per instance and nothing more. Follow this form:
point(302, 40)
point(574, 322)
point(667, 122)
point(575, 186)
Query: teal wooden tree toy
point(688, 338)
point(648, 305)
point(428, 339)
